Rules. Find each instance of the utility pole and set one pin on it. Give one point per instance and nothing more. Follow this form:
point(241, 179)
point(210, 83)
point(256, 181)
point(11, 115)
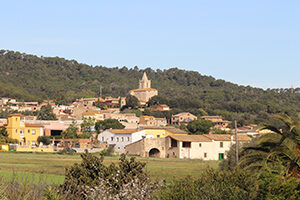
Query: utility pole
point(236, 143)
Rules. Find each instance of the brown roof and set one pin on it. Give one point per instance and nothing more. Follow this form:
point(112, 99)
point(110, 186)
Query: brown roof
point(183, 113)
point(227, 137)
point(191, 138)
point(122, 131)
point(16, 115)
point(32, 125)
point(167, 128)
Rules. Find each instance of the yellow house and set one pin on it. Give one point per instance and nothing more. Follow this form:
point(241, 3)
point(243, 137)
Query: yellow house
point(163, 132)
point(26, 134)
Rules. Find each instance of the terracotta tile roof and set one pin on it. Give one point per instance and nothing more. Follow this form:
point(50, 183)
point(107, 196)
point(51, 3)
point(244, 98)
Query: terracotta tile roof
point(171, 130)
point(219, 137)
point(16, 115)
point(89, 113)
point(243, 138)
point(122, 131)
point(191, 138)
point(33, 125)
point(227, 137)
point(183, 113)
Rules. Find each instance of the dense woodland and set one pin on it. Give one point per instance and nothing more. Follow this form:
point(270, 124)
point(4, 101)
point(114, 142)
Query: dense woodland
point(28, 77)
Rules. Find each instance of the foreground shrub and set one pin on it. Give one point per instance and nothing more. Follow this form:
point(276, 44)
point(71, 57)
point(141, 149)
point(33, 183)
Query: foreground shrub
point(213, 184)
point(232, 185)
point(22, 188)
point(91, 179)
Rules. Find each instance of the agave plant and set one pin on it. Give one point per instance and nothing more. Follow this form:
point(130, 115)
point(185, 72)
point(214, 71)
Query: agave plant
point(280, 148)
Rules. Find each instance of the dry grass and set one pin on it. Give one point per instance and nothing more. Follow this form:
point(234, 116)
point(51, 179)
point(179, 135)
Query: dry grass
point(52, 166)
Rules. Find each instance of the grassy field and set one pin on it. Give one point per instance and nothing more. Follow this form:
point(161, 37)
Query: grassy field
point(51, 167)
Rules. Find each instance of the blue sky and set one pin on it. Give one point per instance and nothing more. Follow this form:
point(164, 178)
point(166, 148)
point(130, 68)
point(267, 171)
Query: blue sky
point(251, 42)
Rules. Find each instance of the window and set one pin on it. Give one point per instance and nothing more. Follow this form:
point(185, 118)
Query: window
point(200, 145)
point(186, 144)
point(33, 131)
point(112, 138)
point(158, 136)
point(205, 155)
point(128, 139)
point(173, 143)
point(28, 131)
point(122, 139)
point(221, 144)
point(102, 139)
point(32, 143)
point(117, 139)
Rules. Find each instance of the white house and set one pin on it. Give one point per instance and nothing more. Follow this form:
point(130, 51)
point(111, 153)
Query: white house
point(120, 137)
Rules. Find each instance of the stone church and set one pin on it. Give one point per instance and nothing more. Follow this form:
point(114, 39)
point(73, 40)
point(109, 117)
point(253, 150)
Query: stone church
point(145, 92)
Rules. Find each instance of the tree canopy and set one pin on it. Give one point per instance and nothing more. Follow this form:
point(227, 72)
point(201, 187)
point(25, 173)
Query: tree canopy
point(108, 124)
point(197, 127)
point(28, 77)
point(46, 113)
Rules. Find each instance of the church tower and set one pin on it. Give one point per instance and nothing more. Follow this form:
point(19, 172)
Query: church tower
point(144, 83)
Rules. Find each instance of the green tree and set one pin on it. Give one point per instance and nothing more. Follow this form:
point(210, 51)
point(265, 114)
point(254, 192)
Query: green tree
point(108, 124)
point(44, 139)
point(197, 127)
point(71, 131)
point(91, 179)
point(3, 132)
point(87, 127)
point(46, 113)
point(132, 101)
point(279, 148)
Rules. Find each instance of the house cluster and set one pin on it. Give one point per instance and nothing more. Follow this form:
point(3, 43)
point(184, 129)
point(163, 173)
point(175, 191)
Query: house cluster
point(170, 143)
point(146, 136)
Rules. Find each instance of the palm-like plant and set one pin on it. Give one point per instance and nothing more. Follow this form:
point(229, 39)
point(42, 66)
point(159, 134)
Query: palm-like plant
point(280, 148)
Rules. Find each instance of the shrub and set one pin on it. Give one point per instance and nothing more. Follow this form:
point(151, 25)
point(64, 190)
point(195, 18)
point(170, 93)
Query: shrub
point(92, 179)
point(109, 151)
point(44, 139)
point(213, 184)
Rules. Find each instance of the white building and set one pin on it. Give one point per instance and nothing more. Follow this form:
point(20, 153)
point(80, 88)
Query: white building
point(120, 137)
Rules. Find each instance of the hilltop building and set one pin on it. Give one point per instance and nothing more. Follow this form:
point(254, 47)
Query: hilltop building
point(145, 92)
point(217, 120)
point(182, 118)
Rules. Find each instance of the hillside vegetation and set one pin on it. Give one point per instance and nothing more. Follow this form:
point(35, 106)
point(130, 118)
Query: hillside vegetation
point(28, 77)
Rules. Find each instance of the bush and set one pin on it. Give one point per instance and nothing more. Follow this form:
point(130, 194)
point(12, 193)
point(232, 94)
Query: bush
point(213, 184)
point(109, 151)
point(92, 179)
point(44, 139)
point(233, 185)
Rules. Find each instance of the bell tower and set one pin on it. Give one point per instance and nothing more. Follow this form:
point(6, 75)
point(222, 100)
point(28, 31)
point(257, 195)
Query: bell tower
point(144, 83)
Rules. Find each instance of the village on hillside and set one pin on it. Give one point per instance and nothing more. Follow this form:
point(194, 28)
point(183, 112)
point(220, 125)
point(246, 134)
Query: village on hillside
point(101, 123)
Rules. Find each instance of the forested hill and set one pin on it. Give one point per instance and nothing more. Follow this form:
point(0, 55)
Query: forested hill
point(28, 77)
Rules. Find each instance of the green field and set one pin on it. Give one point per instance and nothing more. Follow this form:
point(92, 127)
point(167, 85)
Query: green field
point(51, 167)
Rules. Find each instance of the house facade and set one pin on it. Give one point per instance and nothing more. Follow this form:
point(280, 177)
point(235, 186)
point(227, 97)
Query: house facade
point(182, 118)
point(152, 121)
point(120, 137)
point(27, 134)
point(217, 120)
point(205, 147)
